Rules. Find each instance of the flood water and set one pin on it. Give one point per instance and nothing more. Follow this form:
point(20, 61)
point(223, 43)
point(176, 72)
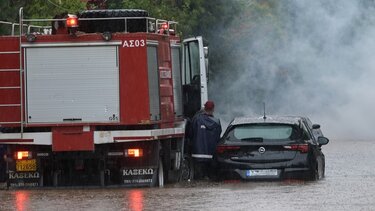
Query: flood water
point(349, 185)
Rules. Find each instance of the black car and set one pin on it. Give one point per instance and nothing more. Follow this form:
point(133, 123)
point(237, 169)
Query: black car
point(271, 148)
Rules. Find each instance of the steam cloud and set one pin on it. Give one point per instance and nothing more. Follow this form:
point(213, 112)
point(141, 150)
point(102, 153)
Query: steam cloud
point(300, 57)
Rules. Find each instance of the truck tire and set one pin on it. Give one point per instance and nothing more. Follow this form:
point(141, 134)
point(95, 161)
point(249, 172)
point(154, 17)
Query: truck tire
point(158, 177)
point(160, 174)
point(114, 25)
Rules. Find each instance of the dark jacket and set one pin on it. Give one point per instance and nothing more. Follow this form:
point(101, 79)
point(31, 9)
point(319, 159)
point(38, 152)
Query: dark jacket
point(205, 132)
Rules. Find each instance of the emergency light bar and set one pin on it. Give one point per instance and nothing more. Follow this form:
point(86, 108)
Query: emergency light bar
point(72, 21)
point(165, 26)
point(72, 24)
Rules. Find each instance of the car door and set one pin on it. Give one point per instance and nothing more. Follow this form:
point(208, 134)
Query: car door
point(194, 75)
point(316, 133)
point(317, 157)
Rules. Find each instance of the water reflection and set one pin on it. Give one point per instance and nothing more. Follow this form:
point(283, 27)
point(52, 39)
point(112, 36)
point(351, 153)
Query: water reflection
point(135, 199)
point(21, 200)
point(341, 189)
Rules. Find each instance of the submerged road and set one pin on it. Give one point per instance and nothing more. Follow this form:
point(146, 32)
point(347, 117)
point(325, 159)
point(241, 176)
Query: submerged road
point(349, 185)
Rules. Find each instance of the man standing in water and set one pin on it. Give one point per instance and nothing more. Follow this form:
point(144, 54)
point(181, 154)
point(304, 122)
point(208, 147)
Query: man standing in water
point(206, 130)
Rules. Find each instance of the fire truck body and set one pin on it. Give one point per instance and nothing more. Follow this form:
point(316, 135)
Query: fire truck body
point(98, 109)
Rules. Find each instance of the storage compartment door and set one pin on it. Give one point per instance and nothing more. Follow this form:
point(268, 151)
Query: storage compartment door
point(72, 84)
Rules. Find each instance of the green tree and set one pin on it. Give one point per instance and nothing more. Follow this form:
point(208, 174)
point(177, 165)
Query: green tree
point(36, 9)
point(9, 13)
point(50, 8)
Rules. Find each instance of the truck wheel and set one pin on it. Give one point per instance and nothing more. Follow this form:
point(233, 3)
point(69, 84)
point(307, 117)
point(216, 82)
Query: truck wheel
point(160, 173)
point(158, 177)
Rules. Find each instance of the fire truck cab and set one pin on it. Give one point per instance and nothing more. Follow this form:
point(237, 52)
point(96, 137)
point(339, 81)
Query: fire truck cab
point(100, 98)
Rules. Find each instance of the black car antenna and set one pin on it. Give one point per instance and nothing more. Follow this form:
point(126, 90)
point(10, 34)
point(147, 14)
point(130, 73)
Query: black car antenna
point(264, 111)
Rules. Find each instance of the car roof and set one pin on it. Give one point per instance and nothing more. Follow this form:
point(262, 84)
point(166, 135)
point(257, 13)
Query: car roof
point(269, 119)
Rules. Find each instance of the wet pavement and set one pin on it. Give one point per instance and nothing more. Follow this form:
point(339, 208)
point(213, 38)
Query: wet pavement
point(349, 185)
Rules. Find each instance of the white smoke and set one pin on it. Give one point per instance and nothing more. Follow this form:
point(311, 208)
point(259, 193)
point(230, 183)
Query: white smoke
point(301, 57)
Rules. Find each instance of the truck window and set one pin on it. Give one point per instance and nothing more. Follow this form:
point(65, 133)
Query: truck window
point(153, 82)
point(192, 67)
point(177, 88)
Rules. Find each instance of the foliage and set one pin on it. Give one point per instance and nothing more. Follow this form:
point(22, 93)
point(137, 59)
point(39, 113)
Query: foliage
point(195, 17)
point(214, 20)
point(8, 12)
point(36, 9)
point(49, 8)
point(183, 12)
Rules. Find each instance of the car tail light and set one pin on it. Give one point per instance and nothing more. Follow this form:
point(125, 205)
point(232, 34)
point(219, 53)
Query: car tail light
point(19, 155)
point(303, 148)
point(135, 153)
point(222, 148)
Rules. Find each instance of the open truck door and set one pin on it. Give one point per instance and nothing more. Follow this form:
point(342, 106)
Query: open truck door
point(194, 75)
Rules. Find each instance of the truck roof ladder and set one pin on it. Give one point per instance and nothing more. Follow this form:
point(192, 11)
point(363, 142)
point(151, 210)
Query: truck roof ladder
point(20, 70)
point(21, 67)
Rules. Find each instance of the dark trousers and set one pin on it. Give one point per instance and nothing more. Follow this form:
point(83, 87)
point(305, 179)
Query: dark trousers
point(202, 168)
point(2, 170)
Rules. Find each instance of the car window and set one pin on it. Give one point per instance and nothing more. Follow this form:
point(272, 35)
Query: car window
point(264, 132)
point(306, 133)
point(315, 132)
point(309, 123)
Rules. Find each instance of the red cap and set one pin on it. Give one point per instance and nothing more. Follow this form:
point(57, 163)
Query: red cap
point(209, 105)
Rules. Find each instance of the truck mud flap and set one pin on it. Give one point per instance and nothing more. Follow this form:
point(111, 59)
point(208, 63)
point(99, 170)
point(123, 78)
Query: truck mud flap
point(139, 177)
point(23, 179)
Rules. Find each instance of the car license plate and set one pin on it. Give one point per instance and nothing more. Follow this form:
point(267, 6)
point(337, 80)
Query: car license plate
point(261, 172)
point(26, 165)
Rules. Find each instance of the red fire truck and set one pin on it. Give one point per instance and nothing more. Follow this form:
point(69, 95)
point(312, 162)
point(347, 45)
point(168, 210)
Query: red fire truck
point(100, 98)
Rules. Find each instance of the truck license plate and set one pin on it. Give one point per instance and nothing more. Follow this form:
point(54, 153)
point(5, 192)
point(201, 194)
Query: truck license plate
point(26, 165)
point(261, 172)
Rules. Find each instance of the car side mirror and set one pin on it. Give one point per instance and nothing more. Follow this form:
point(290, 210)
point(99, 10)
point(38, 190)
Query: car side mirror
point(323, 140)
point(315, 126)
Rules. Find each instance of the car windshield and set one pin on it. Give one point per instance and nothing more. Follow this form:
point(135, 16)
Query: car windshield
point(262, 132)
